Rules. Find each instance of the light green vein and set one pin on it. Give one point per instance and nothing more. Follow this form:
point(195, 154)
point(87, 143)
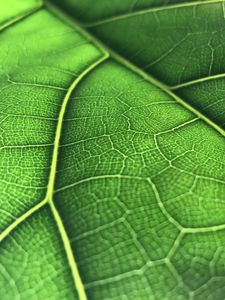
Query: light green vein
point(125, 275)
point(22, 218)
point(162, 206)
point(212, 228)
point(20, 18)
point(150, 10)
point(60, 121)
point(69, 253)
point(73, 266)
point(101, 177)
point(196, 81)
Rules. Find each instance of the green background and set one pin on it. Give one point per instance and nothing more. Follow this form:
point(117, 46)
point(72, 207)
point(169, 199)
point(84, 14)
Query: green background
point(112, 147)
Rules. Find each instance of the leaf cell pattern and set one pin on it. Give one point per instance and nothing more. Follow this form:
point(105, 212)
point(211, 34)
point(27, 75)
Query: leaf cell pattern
point(112, 140)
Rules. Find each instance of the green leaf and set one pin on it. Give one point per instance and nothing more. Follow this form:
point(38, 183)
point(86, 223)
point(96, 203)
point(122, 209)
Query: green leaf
point(112, 150)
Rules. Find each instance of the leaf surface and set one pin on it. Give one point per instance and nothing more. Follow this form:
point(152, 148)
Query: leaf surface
point(112, 142)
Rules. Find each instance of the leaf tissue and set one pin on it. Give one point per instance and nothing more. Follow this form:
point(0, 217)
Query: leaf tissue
point(112, 142)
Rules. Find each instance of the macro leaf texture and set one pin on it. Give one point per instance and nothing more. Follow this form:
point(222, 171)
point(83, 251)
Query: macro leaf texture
point(112, 142)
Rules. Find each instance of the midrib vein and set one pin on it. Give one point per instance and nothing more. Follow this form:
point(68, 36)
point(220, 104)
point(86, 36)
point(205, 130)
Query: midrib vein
point(122, 60)
point(149, 10)
point(50, 190)
point(60, 122)
point(16, 19)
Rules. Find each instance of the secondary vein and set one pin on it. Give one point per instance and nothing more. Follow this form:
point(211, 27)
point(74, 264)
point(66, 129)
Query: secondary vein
point(196, 81)
point(150, 10)
point(22, 218)
point(20, 18)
